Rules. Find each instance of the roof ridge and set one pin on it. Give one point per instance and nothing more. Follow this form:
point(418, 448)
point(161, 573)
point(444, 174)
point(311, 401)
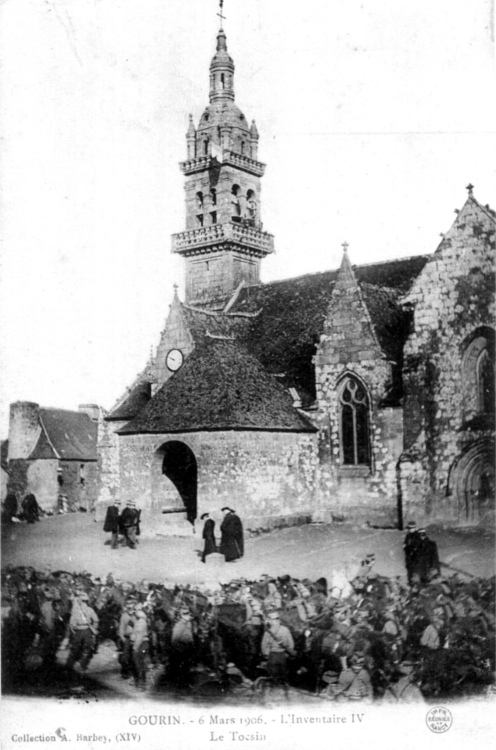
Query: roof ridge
point(57, 454)
point(392, 260)
point(68, 411)
point(335, 270)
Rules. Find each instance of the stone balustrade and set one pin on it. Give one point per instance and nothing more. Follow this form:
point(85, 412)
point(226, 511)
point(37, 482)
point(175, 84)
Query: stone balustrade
point(230, 232)
point(241, 161)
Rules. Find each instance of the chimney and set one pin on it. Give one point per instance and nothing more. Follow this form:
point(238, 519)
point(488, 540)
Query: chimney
point(24, 428)
point(92, 410)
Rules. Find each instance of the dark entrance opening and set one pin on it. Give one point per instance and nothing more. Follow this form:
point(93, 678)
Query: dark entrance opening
point(179, 465)
point(472, 483)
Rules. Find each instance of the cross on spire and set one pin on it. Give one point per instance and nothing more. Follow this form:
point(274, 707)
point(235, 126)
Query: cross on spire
point(470, 188)
point(221, 3)
point(345, 246)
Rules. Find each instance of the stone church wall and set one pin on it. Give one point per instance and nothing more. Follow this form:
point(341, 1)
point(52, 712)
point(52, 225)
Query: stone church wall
point(269, 478)
point(452, 298)
point(359, 493)
point(107, 466)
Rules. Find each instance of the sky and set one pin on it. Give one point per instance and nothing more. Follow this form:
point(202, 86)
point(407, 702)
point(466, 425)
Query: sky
point(373, 116)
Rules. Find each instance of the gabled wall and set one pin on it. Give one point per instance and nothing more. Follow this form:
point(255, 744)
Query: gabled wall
point(176, 335)
point(349, 346)
point(452, 298)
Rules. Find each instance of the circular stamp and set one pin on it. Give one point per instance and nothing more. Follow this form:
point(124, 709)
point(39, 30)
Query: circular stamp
point(439, 719)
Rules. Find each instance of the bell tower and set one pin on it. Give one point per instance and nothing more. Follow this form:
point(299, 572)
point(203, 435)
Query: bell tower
point(224, 242)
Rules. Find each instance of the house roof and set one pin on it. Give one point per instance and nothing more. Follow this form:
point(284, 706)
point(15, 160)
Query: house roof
point(133, 403)
point(220, 387)
point(69, 435)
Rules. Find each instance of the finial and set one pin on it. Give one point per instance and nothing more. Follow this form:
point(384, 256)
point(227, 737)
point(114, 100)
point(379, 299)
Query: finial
point(175, 289)
point(345, 246)
point(470, 188)
point(221, 17)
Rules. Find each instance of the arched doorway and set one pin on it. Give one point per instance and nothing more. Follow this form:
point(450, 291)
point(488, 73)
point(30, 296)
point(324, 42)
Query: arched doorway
point(180, 467)
point(472, 482)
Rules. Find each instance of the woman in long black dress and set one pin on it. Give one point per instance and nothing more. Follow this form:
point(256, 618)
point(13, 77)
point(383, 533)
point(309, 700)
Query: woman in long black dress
point(232, 543)
point(209, 536)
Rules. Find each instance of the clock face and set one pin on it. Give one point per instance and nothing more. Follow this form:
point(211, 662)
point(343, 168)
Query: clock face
point(174, 359)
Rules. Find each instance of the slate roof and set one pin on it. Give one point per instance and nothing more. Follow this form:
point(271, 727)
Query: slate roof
point(4, 452)
point(134, 402)
point(220, 387)
point(203, 322)
point(70, 435)
point(285, 333)
point(390, 321)
point(280, 324)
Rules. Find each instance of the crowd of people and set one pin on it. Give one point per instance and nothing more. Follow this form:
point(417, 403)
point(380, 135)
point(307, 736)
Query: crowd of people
point(124, 526)
point(27, 510)
point(372, 638)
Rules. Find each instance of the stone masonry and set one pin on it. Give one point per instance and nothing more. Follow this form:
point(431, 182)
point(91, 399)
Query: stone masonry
point(452, 300)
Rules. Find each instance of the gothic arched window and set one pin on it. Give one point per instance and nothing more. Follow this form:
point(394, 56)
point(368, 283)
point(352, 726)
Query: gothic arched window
point(354, 423)
point(485, 382)
point(478, 375)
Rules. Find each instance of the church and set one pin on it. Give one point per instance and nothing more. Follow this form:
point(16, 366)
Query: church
point(362, 394)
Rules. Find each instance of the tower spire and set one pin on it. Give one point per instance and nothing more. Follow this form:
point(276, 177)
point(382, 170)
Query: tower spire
point(221, 70)
point(221, 17)
point(224, 242)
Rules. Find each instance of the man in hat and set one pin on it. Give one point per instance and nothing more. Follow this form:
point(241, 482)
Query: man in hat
point(139, 639)
point(254, 629)
point(126, 627)
point(354, 683)
point(426, 562)
point(130, 519)
point(364, 573)
point(112, 523)
point(277, 647)
point(208, 536)
point(49, 640)
point(83, 629)
point(406, 689)
point(182, 653)
point(232, 543)
point(410, 546)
